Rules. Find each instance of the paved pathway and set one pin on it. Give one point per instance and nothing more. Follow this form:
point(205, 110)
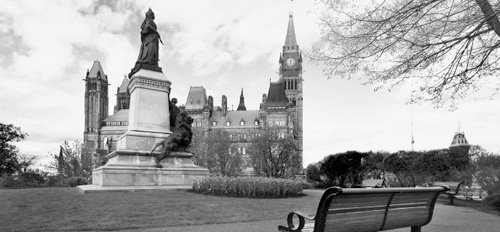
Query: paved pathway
point(446, 218)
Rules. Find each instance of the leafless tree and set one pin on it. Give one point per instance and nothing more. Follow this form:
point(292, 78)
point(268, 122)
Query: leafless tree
point(448, 48)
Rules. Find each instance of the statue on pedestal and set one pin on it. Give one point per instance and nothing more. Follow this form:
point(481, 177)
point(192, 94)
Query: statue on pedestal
point(179, 140)
point(148, 55)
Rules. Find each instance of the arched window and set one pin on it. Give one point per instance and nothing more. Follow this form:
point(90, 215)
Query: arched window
point(242, 123)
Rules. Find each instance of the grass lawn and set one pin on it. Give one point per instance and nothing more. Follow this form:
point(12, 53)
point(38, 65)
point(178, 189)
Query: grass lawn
point(63, 209)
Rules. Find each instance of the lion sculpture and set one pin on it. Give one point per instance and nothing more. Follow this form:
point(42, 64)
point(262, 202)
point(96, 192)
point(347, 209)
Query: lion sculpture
point(179, 140)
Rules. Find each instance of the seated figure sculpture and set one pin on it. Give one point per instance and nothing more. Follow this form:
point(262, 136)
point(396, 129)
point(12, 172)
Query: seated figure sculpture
point(179, 140)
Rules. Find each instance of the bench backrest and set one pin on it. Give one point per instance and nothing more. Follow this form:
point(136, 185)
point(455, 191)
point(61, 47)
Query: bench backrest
point(375, 209)
point(454, 186)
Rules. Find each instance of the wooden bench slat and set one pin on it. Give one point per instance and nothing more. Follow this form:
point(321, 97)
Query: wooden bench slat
point(355, 215)
point(360, 225)
point(356, 209)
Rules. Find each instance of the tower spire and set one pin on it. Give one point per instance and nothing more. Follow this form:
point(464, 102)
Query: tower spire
point(291, 39)
point(241, 106)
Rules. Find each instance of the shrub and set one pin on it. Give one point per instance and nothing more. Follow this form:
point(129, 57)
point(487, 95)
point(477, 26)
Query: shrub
point(494, 201)
point(307, 185)
point(320, 185)
point(313, 172)
point(7, 181)
point(248, 186)
point(55, 181)
point(31, 179)
point(75, 181)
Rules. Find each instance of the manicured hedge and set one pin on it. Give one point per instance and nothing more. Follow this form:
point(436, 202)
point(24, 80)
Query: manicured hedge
point(248, 186)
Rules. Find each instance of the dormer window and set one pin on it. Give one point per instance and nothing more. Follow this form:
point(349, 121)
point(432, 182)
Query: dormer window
point(214, 123)
point(256, 122)
point(228, 123)
point(242, 123)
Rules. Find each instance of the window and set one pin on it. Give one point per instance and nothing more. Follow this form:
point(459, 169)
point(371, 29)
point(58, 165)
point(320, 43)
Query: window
point(198, 124)
point(244, 136)
point(243, 150)
point(214, 123)
point(242, 123)
point(228, 123)
point(256, 122)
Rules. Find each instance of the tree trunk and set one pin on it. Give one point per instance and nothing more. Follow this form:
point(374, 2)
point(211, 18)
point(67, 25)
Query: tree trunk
point(490, 15)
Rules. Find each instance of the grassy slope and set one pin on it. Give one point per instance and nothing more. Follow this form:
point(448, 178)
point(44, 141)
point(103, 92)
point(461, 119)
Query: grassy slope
point(52, 209)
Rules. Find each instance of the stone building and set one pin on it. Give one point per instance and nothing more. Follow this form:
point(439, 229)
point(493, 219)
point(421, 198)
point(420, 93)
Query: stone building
point(281, 107)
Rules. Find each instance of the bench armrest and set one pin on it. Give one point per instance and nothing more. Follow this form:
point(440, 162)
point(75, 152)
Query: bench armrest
point(291, 227)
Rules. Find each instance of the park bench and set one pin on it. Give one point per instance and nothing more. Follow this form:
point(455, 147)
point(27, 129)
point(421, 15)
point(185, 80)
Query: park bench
point(359, 209)
point(454, 187)
point(372, 183)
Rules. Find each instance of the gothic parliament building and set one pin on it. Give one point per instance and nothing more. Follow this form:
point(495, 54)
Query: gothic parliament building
point(281, 107)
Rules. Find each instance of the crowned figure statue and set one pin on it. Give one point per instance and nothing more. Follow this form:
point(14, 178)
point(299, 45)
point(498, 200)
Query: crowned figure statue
point(148, 54)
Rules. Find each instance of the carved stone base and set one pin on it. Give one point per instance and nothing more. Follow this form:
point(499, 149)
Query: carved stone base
point(130, 168)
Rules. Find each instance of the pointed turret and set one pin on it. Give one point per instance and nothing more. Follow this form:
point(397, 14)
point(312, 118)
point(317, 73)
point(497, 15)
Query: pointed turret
point(290, 40)
point(459, 140)
point(96, 71)
point(122, 96)
point(241, 106)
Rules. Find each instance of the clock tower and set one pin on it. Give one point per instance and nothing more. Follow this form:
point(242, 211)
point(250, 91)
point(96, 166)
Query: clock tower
point(290, 73)
point(291, 65)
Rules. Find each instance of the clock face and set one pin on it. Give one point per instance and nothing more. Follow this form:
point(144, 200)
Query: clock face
point(290, 61)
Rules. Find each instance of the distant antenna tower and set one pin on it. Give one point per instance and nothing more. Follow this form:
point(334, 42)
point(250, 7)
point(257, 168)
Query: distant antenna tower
point(412, 139)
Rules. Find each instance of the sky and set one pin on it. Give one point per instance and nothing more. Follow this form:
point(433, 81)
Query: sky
point(222, 45)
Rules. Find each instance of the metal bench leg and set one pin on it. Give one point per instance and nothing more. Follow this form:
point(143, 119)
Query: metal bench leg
point(416, 229)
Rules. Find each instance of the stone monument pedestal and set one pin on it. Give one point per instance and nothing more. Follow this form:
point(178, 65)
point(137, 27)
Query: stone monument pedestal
point(130, 168)
point(130, 164)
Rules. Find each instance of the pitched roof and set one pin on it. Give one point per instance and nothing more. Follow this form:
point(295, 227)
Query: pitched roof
point(276, 96)
point(197, 98)
point(120, 116)
point(97, 69)
point(290, 40)
point(235, 117)
point(124, 85)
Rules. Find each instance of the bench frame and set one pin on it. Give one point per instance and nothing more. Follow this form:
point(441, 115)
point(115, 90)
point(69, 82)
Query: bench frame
point(330, 193)
point(453, 187)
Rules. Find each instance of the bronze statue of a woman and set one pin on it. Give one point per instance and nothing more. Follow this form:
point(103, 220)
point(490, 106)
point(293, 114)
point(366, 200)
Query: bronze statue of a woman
point(148, 55)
